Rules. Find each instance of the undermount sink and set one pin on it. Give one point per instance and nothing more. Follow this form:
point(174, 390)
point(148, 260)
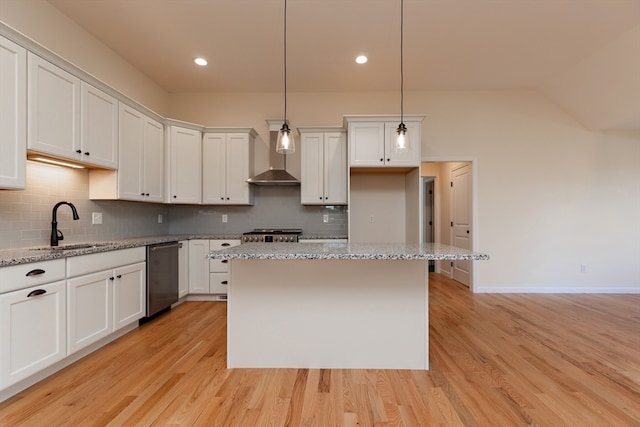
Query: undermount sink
point(71, 247)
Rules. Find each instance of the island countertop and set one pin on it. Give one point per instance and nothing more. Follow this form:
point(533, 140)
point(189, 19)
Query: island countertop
point(346, 251)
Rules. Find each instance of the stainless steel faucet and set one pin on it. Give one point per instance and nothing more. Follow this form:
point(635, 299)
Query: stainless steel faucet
point(56, 235)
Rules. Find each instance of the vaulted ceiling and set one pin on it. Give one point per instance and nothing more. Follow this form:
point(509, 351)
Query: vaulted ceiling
point(449, 44)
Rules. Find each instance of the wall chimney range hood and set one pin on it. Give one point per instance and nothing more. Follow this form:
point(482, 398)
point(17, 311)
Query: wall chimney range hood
point(277, 173)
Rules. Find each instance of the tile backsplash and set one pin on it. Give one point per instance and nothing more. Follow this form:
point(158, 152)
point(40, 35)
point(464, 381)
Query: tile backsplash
point(25, 216)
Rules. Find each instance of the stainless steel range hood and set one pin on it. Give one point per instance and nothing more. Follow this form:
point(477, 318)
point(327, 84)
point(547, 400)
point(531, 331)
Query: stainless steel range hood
point(277, 173)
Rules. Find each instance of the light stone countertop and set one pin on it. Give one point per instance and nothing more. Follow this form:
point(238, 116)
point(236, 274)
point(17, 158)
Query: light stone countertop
point(44, 253)
point(346, 251)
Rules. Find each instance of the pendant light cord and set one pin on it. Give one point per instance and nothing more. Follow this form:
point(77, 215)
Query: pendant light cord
point(401, 61)
point(285, 61)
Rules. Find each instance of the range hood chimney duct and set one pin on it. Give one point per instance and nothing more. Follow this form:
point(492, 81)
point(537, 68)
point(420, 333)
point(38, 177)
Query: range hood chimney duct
point(277, 173)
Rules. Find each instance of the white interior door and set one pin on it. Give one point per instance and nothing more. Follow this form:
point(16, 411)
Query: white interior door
point(461, 219)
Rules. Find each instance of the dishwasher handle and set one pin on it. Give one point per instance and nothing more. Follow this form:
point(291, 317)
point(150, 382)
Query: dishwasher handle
point(163, 246)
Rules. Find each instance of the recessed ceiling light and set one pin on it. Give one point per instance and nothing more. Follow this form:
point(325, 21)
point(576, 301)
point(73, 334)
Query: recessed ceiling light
point(361, 59)
point(200, 61)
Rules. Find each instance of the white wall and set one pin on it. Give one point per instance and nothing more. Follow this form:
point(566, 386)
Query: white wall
point(40, 21)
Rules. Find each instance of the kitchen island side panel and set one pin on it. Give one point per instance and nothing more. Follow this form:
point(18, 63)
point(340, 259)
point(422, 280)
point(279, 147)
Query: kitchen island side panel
point(369, 314)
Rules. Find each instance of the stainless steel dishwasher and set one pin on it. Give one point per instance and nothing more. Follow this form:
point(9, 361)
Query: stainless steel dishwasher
point(162, 276)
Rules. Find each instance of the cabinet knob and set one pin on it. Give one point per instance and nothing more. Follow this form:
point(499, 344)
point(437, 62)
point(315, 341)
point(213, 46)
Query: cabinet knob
point(320, 197)
point(142, 194)
point(79, 151)
point(119, 276)
point(221, 198)
point(86, 153)
point(388, 160)
point(175, 197)
point(227, 198)
point(225, 282)
point(382, 160)
point(112, 278)
point(146, 194)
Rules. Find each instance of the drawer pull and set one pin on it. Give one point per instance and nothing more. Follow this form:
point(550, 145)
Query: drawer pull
point(36, 293)
point(224, 282)
point(226, 244)
point(36, 272)
point(224, 261)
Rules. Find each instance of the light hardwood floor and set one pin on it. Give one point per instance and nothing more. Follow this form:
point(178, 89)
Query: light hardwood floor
point(496, 360)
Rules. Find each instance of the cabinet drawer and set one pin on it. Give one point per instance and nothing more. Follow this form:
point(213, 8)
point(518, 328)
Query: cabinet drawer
point(220, 265)
point(218, 283)
point(91, 263)
point(32, 274)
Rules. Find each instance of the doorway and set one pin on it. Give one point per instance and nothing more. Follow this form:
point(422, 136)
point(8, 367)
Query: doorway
point(448, 218)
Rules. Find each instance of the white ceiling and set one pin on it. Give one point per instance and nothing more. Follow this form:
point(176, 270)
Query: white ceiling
point(449, 44)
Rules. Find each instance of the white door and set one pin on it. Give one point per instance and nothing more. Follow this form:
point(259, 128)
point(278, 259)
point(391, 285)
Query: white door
point(335, 169)
point(130, 154)
point(237, 167)
point(186, 165)
point(214, 170)
point(153, 160)
point(461, 219)
point(311, 182)
point(99, 127)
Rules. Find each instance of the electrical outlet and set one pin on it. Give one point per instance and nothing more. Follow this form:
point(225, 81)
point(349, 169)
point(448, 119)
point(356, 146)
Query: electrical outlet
point(325, 218)
point(159, 218)
point(583, 268)
point(96, 218)
point(225, 218)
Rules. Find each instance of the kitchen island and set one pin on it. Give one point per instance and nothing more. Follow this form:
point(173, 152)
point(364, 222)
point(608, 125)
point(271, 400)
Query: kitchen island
point(331, 305)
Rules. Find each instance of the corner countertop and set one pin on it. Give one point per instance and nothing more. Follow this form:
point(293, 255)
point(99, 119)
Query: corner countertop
point(346, 251)
point(44, 253)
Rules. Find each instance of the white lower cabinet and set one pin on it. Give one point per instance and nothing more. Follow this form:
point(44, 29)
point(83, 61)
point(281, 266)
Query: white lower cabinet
point(208, 276)
point(129, 294)
point(89, 310)
point(33, 330)
point(198, 267)
point(105, 291)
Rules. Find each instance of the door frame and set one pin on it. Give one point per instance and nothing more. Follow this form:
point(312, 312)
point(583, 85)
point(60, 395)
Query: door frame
point(475, 238)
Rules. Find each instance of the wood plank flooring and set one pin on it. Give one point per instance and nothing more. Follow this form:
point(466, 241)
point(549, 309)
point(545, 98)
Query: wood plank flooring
point(496, 360)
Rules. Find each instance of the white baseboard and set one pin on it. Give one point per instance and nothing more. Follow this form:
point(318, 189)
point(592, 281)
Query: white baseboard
point(555, 290)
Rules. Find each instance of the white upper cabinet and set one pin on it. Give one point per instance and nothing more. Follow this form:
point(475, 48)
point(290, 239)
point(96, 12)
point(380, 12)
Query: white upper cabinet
point(53, 109)
point(70, 119)
point(227, 159)
point(99, 127)
point(13, 115)
point(184, 150)
point(140, 174)
point(371, 141)
point(324, 166)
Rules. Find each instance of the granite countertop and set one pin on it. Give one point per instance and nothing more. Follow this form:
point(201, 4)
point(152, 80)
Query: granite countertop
point(346, 251)
point(43, 253)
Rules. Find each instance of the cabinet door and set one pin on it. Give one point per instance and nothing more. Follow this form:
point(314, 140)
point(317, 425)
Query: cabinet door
point(312, 170)
point(53, 110)
point(130, 172)
point(99, 127)
point(13, 113)
point(33, 330)
point(366, 140)
point(214, 170)
point(335, 169)
point(237, 159)
point(186, 161)
point(411, 157)
point(89, 309)
point(183, 268)
point(153, 160)
point(129, 294)
point(198, 267)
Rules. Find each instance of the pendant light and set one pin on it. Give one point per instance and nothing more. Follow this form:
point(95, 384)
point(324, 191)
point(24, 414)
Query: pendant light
point(402, 143)
point(285, 143)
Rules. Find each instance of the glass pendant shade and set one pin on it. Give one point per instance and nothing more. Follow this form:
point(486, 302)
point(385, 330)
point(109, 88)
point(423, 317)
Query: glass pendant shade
point(286, 143)
point(402, 144)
